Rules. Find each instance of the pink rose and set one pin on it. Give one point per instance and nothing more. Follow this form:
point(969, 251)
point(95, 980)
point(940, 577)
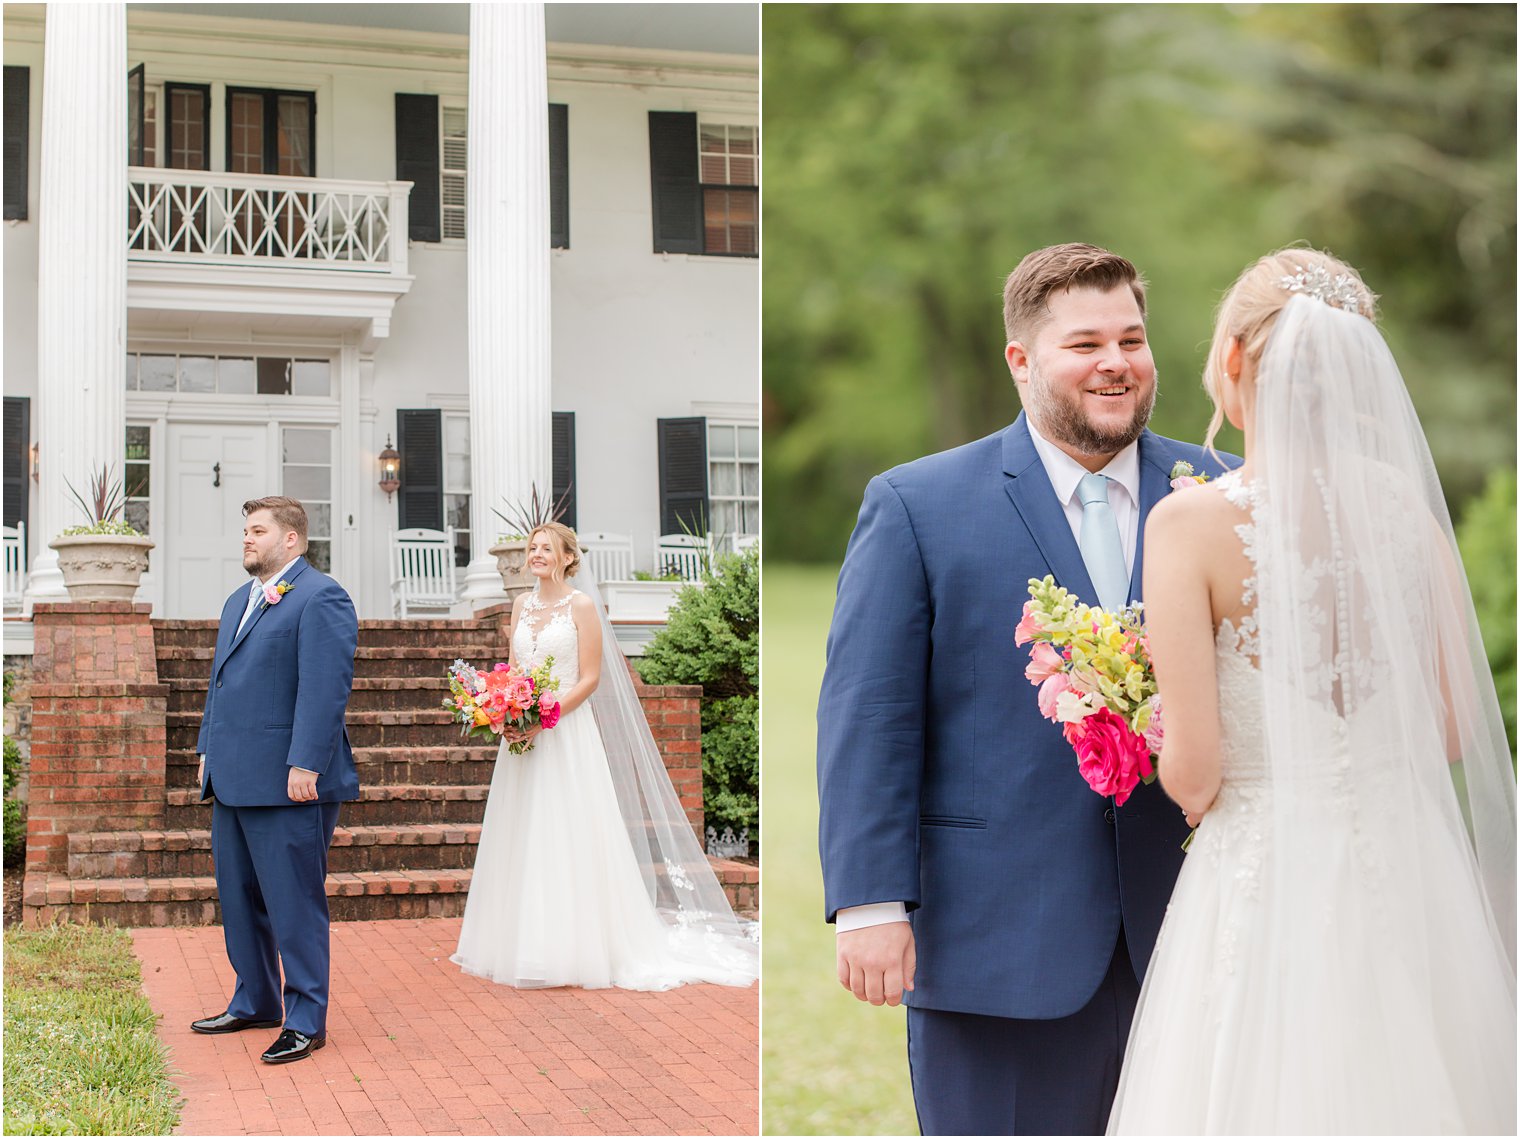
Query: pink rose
point(1155, 731)
point(1027, 627)
point(500, 666)
point(272, 594)
point(548, 710)
point(1050, 692)
point(1044, 663)
point(1110, 757)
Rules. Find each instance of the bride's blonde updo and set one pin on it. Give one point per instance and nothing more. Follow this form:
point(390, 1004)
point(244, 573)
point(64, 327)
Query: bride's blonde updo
point(1249, 309)
point(565, 542)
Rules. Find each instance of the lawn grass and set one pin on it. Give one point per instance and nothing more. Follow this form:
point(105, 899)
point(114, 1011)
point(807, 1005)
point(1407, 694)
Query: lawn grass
point(81, 1057)
point(831, 1065)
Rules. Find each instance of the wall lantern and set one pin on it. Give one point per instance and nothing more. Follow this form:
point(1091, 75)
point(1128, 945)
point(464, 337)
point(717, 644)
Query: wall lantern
point(36, 462)
point(390, 470)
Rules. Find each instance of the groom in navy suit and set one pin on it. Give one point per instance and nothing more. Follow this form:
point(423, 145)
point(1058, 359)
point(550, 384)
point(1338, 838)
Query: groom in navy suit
point(276, 761)
point(970, 871)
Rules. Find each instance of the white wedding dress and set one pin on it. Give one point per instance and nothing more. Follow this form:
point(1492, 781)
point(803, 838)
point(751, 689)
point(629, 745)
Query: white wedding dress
point(1291, 990)
point(557, 896)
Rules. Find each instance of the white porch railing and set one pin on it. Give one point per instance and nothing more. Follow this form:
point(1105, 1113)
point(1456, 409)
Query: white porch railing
point(208, 217)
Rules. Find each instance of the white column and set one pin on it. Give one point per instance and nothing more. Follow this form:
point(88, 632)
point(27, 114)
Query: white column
point(508, 194)
point(82, 268)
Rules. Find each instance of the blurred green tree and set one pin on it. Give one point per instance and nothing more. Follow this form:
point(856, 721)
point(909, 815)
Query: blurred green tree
point(914, 153)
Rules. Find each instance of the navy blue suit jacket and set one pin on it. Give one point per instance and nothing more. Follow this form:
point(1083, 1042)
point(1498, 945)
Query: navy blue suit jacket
point(940, 784)
point(278, 693)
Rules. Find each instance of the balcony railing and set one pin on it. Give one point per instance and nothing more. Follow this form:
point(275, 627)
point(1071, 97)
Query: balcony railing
point(207, 217)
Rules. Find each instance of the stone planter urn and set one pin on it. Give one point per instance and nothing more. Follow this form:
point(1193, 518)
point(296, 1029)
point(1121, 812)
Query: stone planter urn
point(512, 563)
point(102, 567)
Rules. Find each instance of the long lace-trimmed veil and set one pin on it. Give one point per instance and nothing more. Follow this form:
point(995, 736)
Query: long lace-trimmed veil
point(681, 882)
point(1377, 690)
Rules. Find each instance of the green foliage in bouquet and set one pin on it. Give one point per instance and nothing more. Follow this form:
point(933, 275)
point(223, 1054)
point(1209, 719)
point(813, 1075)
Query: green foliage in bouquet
point(1486, 535)
point(15, 810)
point(712, 638)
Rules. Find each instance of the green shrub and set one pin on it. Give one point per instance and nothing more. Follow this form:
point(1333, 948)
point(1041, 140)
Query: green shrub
point(712, 638)
point(15, 810)
point(1486, 535)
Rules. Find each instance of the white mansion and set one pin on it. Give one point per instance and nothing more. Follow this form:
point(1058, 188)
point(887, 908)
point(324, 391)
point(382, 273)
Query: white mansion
point(248, 247)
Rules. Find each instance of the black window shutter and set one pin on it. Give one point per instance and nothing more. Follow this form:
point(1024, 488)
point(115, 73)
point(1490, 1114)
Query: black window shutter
point(17, 446)
point(137, 106)
point(564, 464)
point(676, 197)
point(418, 161)
point(16, 131)
point(683, 475)
point(419, 438)
point(559, 176)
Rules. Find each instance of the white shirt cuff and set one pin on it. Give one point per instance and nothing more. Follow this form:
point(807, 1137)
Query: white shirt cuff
point(877, 913)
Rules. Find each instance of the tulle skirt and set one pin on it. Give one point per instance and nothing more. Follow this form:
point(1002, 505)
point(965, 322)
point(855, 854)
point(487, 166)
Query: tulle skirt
point(556, 897)
point(1355, 989)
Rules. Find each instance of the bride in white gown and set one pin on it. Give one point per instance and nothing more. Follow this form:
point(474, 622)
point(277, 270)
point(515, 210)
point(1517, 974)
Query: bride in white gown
point(588, 872)
point(1339, 952)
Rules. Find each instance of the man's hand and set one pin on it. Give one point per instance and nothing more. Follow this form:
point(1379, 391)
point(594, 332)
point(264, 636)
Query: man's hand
point(200, 774)
point(302, 787)
point(877, 963)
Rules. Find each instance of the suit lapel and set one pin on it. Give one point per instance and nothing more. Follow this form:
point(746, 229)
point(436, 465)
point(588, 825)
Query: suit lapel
point(1035, 499)
point(1155, 484)
point(259, 610)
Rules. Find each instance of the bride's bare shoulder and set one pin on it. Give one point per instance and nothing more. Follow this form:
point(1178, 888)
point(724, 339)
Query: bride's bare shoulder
point(1190, 513)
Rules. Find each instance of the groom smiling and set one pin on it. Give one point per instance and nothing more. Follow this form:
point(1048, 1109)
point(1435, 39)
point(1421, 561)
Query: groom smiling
point(970, 871)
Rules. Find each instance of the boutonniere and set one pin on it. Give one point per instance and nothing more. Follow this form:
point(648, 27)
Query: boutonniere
point(1182, 475)
point(273, 593)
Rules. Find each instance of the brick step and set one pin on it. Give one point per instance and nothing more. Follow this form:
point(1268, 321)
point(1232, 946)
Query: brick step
point(362, 896)
point(431, 727)
point(391, 804)
point(456, 763)
point(417, 659)
point(182, 634)
point(379, 634)
point(187, 853)
point(366, 896)
point(369, 694)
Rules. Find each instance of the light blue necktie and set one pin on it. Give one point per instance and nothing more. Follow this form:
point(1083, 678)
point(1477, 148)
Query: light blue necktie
point(1102, 551)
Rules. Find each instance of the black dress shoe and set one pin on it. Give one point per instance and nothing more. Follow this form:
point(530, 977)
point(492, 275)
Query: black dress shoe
point(229, 1023)
point(292, 1045)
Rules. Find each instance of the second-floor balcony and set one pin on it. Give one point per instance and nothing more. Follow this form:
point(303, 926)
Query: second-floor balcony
point(208, 241)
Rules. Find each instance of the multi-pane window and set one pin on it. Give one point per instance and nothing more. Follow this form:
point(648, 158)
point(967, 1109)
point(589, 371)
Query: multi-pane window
point(452, 172)
point(135, 483)
point(306, 455)
point(270, 132)
point(730, 180)
point(228, 375)
point(456, 483)
point(733, 479)
point(186, 145)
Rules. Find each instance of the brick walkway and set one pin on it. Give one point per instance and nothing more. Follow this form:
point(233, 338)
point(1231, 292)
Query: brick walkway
point(417, 1048)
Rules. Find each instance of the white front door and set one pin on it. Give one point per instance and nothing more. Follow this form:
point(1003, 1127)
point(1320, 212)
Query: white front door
point(213, 468)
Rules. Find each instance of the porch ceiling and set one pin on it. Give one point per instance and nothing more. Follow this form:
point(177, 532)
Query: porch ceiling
point(732, 28)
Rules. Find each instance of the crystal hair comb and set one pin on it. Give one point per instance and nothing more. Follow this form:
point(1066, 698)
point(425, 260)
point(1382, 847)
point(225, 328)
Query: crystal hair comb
point(1340, 290)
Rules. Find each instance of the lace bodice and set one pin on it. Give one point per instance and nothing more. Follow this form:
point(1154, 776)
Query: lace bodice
point(1236, 647)
point(547, 629)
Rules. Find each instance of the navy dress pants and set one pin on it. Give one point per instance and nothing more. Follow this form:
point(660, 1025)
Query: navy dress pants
point(271, 879)
point(992, 1075)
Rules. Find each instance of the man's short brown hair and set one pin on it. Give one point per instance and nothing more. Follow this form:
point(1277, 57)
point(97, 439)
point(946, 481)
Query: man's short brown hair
point(288, 513)
point(1059, 267)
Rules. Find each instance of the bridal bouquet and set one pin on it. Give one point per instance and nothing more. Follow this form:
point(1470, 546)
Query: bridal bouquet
point(1093, 670)
point(486, 703)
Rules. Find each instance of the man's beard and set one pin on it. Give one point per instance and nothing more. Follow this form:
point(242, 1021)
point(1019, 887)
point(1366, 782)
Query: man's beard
point(1061, 419)
point(264, 566)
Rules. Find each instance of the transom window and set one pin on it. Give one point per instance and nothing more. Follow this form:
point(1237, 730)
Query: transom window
point(228, 375)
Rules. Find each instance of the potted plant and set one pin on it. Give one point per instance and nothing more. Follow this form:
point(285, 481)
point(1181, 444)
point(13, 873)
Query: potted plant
point(104, 559)
point(511, 548)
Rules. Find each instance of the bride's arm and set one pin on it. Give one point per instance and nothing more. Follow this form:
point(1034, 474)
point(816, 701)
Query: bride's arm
point(1180, 623)
point(588, 629)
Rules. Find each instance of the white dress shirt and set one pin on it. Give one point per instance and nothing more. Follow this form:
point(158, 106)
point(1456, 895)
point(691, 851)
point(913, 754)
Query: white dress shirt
point(1064, 472)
